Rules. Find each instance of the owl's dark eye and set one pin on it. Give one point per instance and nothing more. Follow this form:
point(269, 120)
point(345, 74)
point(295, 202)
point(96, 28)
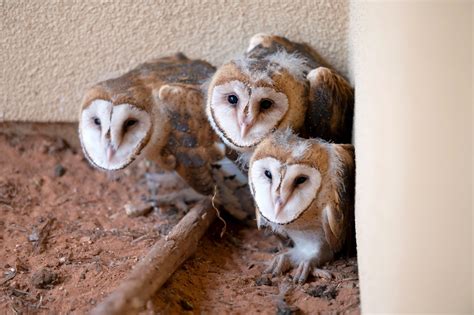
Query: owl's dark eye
point(266, 104)
point(300, 180)
point(130, 122)
point(232, 99)
point(268, 174)
point(96, 121)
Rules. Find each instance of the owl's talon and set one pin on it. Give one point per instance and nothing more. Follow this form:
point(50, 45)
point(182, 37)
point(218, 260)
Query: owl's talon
point(302, 272)
point(279, 265)
point(321, 273)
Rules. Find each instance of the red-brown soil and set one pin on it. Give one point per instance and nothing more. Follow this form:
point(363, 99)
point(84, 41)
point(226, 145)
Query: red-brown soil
point(66, 243)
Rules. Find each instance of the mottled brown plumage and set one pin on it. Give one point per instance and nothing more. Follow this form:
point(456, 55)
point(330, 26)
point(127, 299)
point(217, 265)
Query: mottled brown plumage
point(330, 97)
point(156, 111)
point(305, 95)
point(317, 213)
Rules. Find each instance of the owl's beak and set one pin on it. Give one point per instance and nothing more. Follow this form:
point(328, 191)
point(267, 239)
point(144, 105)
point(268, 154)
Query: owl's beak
point(279, 205)
point(245, 126)
point(245, 119)
point(110, 152)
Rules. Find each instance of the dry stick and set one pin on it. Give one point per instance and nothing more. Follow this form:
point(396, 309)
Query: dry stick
point(160, 263)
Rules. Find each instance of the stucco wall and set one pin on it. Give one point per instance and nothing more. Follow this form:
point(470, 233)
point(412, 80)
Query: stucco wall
point(412, 65)
point(52, 49)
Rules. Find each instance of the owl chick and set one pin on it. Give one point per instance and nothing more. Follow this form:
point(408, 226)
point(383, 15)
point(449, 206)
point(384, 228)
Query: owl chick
point(278, 84)
point(156, 111)
point(304, 189)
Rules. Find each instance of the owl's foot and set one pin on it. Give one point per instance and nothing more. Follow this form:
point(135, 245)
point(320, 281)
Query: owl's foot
point(279, 264)
point(321, 273)
point(302, 272)
point(305, 268)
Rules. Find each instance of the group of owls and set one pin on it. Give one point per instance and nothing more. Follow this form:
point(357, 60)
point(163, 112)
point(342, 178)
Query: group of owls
point(277, 117)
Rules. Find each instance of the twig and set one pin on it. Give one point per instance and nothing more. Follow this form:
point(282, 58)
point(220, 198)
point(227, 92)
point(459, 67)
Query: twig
point(218, 212)
point(40, 238)
point(60, 202)
point(160, 263)
point(143, 237)
point(339, 282)
point(13, 309)
point(9, 276)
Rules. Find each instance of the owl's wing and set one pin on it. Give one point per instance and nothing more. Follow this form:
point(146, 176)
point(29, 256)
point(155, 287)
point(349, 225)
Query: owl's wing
point(330, 107)
point(197, 150)
point(338, 210)
point(191, 140)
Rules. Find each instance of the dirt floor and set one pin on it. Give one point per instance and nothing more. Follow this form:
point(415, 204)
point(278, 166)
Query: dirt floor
point(66, 242)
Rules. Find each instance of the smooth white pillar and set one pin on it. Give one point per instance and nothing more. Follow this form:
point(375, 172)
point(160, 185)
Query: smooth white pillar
point(412, 69)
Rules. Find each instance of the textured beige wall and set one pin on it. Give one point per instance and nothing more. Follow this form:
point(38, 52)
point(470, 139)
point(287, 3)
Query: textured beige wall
point(52, 49)
point(412, 64)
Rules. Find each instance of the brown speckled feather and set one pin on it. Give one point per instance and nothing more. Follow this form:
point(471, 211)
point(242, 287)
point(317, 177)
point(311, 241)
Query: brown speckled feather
point(191, 139)
point(136, 86)
point(271, 44)
point(330, 98)
point(338, 223)
point(185, 141)
point(331, 107)
point(336, 164)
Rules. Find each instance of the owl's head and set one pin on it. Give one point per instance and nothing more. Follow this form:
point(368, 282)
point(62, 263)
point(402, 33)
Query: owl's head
point(114, 128)
point(289, 175)
point(248, 99)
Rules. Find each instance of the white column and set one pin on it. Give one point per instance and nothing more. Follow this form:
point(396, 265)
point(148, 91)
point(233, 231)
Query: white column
point(412, 69)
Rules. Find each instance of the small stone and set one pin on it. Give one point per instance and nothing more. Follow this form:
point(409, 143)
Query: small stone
point(59, 170)
point(323, 291)
point(85, 239)
point(349, 285)
point(44, 279)
point(136, 211)
point(97, 251)
point(263, 280)
point(62, 260)
point(33, 237)
point(285, 309)
point(38, 182)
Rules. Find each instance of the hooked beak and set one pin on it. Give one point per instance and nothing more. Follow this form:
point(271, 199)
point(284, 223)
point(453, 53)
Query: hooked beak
point(279, 205)
point(245, 125)
point(110, 152)
point(244, 128)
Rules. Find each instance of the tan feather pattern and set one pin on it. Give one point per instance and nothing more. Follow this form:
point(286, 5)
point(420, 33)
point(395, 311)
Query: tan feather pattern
point(331, 106)
point(169, 89)
point(338, 211)
point(321, 219)
point(191, 140)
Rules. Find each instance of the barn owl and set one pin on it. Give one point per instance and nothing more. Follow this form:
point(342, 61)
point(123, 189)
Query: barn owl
point(156, 111)
point(275, 85)
point(304, 189)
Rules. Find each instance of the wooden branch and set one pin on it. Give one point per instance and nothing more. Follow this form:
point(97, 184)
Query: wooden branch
point(160, 263)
